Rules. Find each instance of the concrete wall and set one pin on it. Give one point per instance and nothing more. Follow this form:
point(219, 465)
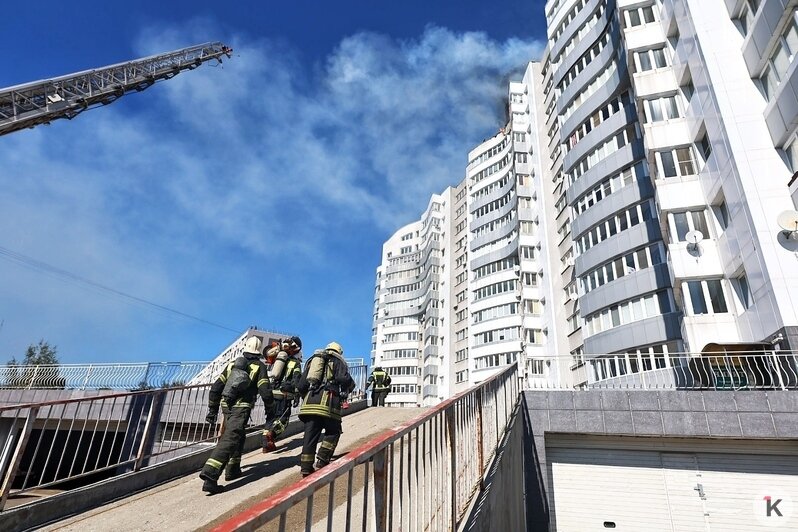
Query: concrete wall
point(500, 505)
point(750, 415)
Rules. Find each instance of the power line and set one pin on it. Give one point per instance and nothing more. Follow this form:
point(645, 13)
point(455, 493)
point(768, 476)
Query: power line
point(58, 273)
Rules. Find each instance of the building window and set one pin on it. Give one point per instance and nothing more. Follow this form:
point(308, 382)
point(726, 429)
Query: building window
point(678, 162)
point(638, 16)
point(627, 312)
point(617, 268)
point(780, 59)
point(721, 213)
point(742, 290)
point(705, 296)
point(535, 336)
point(535, 366)
point(682, 223)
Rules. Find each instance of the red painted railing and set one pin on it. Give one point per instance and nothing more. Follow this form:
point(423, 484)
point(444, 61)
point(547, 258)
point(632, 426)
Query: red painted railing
point(421, 475)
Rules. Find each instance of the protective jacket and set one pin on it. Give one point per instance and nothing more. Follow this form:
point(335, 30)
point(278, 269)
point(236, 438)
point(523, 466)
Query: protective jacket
point(324, 398)
point(380, 379)
point(259, 385)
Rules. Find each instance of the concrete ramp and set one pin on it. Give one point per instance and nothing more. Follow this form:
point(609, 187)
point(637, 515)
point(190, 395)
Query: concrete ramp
point(181, 505)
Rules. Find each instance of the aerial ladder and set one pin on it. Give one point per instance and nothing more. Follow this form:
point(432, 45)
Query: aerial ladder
point(41, 102)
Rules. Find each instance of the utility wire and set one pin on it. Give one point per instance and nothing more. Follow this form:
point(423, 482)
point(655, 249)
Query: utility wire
point(64, 275)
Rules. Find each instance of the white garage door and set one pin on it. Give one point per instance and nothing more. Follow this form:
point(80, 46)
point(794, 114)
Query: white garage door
point(656, 490)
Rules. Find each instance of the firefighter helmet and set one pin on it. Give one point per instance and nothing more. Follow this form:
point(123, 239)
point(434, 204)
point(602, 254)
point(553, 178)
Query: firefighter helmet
point(335, 346)
point(252, 346)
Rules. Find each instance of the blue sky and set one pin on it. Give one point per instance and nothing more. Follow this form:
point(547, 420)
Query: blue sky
point(254, 193)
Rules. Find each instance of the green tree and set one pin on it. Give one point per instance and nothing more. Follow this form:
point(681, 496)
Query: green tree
point(41, 354)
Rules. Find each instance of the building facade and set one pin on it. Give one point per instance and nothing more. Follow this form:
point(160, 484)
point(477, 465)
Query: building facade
point(632, 210)
point(409, 309)
point(675, 139)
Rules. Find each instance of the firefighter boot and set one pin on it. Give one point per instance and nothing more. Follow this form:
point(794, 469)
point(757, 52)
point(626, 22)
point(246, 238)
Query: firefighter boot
point(268, 442)
point(233, 472)
point(306, 464)
point(210, 485)
point(326, 450)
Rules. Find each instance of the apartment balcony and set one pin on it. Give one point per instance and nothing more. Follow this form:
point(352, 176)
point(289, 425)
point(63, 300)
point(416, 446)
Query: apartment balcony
point(657, 329)
point(677, 193)
point(430, 390)
point(645, 36)
point(668, 133)
point(431, 331)
point(694, 260)
point(704, 329)
point(654, 82)
point(430, 370)
point(430, 351)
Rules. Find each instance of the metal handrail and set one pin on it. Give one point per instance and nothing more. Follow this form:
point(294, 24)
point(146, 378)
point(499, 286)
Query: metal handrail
point(46, 444)
point(425, 472)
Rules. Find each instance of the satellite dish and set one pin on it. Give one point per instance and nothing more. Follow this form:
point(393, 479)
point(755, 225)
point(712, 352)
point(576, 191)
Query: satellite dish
point(693, 238)
point(788, 220)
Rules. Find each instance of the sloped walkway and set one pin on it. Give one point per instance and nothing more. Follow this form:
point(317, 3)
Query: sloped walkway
point(181, 505)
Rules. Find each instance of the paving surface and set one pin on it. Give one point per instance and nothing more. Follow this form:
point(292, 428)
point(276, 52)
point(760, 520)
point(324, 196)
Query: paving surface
point(181, 505)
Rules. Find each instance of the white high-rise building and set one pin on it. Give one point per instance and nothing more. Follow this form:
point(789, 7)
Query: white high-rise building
point(487, 307)
point(635, 206)
point(676, 167)
point(409, 309)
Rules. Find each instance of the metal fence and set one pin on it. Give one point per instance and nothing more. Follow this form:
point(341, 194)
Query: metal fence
point(68, 443)
point(100, 376)
point(761, 370)
point(419, 476)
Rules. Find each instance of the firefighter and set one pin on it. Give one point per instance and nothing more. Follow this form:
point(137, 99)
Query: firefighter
point(324, 383)
point(284, 374)
point(382, 385)
point(236, 390)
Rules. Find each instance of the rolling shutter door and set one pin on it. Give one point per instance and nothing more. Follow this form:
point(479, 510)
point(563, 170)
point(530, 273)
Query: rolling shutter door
point(637, 490)
point(735, 487)
point(592, 487)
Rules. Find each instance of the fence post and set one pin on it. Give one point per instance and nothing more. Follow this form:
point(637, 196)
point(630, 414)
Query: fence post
point(16, 459)
point(452, 426)
point(480, 438)
point(380, 490)
point(778, 370)
point(33, 377)
point(88, 374)
point(150, 428)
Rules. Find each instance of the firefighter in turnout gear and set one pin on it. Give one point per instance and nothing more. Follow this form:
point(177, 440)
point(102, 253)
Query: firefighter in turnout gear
point(382, 385)
point(324, 384)
point(285, 373)
point(236, 390)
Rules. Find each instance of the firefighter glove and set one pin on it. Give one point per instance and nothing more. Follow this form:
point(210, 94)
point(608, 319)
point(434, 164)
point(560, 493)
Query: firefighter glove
point(211, 417)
